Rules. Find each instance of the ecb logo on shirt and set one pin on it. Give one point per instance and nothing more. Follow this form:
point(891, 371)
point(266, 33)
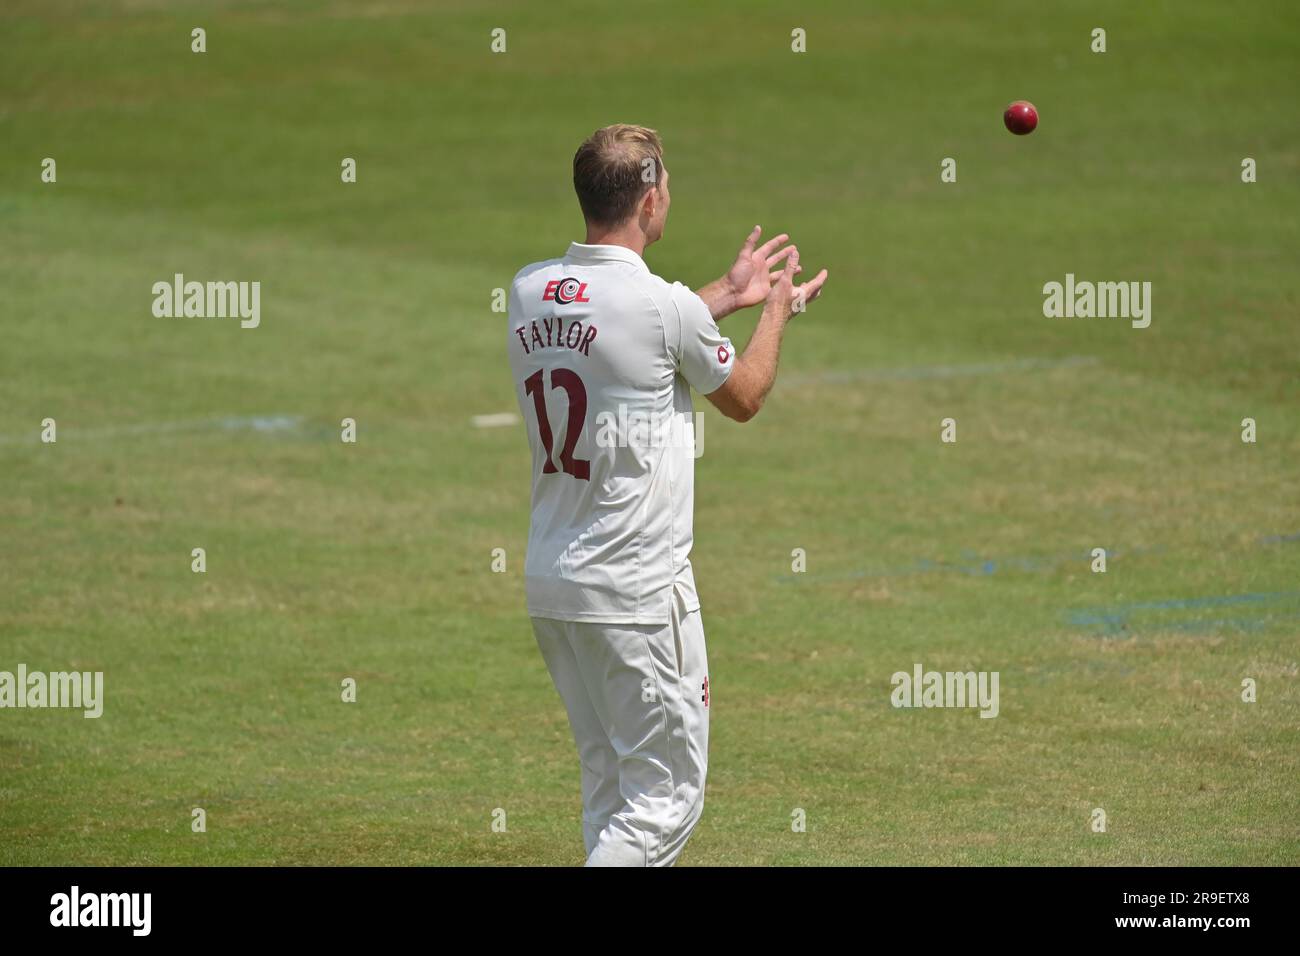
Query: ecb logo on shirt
point(565, 291)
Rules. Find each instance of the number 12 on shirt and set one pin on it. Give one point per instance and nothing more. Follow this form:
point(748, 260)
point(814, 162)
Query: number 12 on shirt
point(567, 379)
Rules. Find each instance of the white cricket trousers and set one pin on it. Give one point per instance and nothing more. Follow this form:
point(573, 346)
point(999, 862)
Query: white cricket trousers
point(637, 697)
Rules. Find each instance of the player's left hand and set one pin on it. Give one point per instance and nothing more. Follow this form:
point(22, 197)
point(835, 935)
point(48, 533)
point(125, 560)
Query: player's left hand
point(751, 278)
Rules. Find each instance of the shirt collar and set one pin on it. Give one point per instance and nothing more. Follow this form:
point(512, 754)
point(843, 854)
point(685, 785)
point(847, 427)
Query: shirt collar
point(581, 252)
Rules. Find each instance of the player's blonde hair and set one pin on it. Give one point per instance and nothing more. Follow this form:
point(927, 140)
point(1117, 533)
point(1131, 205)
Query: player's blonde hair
point(613, 169)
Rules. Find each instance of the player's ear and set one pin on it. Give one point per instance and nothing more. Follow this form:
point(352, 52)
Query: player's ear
point(650, 202)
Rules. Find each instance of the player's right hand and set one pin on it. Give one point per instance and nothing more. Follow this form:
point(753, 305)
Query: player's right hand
point(785, 296)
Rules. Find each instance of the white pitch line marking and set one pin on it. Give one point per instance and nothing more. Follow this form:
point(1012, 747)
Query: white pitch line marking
point(496, 420)
point(922, 372)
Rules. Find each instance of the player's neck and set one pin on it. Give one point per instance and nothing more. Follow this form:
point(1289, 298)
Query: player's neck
point(628, 235)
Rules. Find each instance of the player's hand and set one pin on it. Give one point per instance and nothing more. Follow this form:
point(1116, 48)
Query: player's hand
point(787, 298)
point(751, 278)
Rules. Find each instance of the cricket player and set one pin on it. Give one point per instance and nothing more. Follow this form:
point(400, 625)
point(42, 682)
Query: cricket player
point(604, 355)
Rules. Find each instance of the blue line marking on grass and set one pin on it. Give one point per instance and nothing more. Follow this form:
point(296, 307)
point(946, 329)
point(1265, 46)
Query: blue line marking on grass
point(1279, 538)
point(971, 563)
point(968, 563)
point(1109, 620)
point(257, 423)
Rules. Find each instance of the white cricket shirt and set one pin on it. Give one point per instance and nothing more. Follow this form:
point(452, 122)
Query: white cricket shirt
point(603, 355)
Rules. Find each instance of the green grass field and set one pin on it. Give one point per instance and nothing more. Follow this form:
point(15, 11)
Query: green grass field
point(327, 560)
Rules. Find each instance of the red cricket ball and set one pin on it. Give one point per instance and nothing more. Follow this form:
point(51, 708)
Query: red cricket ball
point(1021, 117)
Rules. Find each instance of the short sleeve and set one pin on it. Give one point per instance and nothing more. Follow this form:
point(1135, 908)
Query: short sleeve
point(704, 354)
